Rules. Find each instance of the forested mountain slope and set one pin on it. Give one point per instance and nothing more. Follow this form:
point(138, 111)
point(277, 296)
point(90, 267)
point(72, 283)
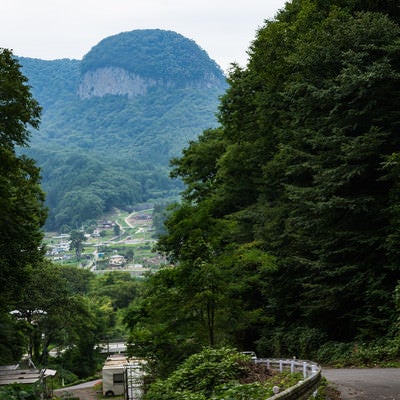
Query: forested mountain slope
point(112, 121)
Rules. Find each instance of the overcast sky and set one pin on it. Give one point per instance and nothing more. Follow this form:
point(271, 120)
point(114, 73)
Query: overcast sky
point(53, 29)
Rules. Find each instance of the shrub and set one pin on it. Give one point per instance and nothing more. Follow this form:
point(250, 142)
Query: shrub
point(219, 374)
point(18, 392)
point(302, 342)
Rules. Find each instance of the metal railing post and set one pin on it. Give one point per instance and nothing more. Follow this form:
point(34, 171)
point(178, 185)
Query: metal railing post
point(304, 370)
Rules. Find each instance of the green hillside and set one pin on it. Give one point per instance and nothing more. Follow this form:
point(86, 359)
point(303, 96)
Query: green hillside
point(111, 122)
point(152, 53)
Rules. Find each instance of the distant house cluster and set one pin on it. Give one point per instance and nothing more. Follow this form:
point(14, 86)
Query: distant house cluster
point(106, 224)
point(117, 261)
point(101, 259)
point(57, 251)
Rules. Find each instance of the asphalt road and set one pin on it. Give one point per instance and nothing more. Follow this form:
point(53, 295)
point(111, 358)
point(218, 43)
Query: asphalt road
point(353, 384)
point(84, 391)
point(365, 383)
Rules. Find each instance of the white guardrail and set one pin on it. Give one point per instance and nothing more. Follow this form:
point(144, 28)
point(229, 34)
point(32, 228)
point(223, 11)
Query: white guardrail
point(305, 388)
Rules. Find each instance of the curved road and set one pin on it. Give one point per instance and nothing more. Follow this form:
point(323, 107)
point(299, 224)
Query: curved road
point(85, 391)
point(353, 384)
point(365, 383)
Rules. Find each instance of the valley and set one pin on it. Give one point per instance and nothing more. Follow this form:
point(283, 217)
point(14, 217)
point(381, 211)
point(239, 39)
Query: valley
point(111, 122)
point(121, 241)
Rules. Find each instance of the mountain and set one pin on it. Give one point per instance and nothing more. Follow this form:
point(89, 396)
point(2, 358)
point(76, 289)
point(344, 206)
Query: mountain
point(112, 121)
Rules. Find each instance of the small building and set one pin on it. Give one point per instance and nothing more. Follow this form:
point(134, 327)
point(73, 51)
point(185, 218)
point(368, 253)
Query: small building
point(10, 374)
point(116, 261)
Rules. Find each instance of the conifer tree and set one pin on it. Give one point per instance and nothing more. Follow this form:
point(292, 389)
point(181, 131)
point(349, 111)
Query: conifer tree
point(21, 197)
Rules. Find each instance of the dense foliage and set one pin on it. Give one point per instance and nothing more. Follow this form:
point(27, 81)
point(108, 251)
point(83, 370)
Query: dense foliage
point(42, 306)
point(19, 392)
point(68, 310)
point(113, 151)
point(155, 54)
point(21, 198)
point(219, 374)
point(286, 236)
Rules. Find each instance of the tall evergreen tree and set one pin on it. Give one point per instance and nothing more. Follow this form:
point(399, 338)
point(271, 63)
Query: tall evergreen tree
point(21, 198)
point(305, 173)
point(339, 129)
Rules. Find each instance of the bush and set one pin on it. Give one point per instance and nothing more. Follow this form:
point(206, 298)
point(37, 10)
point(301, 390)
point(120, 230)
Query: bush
point(220, 374)
point(18, 392)
point(334, 353)
point(200, 373)
point(385, 352)
point(302, 342)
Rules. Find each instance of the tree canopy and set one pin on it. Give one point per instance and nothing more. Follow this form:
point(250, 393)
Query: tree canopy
point(21, 197)
point(155, 54)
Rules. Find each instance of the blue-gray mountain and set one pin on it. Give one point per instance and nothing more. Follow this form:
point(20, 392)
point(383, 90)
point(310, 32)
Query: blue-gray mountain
point(112, 121)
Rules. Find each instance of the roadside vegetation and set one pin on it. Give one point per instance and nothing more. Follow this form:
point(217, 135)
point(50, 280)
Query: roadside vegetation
point(220, 374)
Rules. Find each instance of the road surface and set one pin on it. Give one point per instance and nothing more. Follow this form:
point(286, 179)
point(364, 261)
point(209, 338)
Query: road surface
point(85, 391)
point(365, 383)
point(353, 384)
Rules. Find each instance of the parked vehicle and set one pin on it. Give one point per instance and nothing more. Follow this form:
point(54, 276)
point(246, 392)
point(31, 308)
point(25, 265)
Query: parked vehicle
point(113, 375)
point(122, 375)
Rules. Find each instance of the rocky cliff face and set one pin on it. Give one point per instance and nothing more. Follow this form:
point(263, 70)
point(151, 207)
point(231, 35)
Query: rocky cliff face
point(112, 80)
point(131, 63)
point(118, 81)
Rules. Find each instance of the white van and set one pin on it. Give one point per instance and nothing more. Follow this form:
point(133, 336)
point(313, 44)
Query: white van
point(113, 375)
point(122, 375)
